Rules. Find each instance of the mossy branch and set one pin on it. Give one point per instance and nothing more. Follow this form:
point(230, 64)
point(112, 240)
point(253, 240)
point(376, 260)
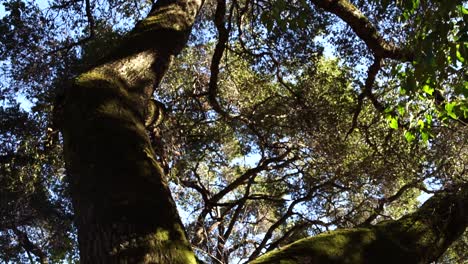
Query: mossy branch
point(420, 237)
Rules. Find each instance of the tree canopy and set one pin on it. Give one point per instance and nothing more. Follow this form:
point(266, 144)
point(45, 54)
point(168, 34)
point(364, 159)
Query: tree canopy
point(279, 121)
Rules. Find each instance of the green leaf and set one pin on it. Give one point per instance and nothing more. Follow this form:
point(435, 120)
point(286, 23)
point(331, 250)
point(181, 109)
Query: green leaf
point(394, 122)
point(425, 136)
point(421, 124)
point(409, 136)
point(459, 54)
point(402, 91)
point(428, 89)
point(463, 10)
point(464, 108)
point(401, 110)
point(428, 119)
point(449, 108)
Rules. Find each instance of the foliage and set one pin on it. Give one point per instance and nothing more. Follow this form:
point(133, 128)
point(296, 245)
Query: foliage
point(301, 143)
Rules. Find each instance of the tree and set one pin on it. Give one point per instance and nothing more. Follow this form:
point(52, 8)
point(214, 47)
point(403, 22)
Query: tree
point(323, 144)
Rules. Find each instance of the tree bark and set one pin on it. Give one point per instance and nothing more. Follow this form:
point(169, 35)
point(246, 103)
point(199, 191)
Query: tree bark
point(420, 237)
point(124, 210)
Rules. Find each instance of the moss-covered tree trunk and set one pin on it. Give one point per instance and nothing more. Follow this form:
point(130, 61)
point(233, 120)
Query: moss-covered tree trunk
point(123, 207)
point(418, 238)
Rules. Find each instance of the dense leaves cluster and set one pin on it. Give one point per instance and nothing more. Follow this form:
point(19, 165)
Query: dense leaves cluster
point(302, 125)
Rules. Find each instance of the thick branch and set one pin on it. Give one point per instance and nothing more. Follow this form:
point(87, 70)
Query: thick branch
point(364, 29)
point(223, 35)
point(420, 237)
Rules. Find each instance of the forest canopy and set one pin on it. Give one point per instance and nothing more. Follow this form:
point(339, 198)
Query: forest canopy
point(270, 121)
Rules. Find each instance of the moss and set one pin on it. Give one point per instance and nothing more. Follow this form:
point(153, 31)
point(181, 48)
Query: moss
point(173, 244)
point(161, 246)
point(160, 236)
point(115, 170)
point(119, 191)
point(171, 18)
point(417, 238)
point(340, 246)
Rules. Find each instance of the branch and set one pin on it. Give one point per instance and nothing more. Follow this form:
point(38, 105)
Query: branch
point(248, 174)
point(388, 200)
point(364, 29)
point(89, 15)
point(91, 25)
point(223, 36)
point(30, 246)
point(372, 72)
point(420, 237)
point(222, 253)
point(289, 213)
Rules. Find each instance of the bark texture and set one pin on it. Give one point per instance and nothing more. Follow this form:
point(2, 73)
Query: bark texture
point(124, 210)
point(416, 238)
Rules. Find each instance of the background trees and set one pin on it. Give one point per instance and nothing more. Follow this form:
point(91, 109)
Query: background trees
point(283, 119)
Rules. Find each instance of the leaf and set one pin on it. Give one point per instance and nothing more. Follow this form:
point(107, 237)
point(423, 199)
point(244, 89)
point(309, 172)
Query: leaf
point(428, 119)
point(459, 55)
point(393, 122)
point(401, 110)
point(463, 10)
point(421, 124)
point(425, 136)
point(409, 136)
point(428, 89)
point(449, 108)
point(464, 108)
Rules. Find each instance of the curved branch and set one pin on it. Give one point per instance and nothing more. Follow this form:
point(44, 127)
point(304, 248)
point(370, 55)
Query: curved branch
point(388, 200)
point(364, 29)
point(223, 37)
point(420, 237)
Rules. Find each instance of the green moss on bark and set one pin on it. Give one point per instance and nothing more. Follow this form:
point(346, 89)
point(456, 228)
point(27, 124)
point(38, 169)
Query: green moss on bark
point(119, 192)
point(420, 237)
point(124, 210)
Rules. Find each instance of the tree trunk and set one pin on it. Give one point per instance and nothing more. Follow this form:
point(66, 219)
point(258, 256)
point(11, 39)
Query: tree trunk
point(123, 207)
point(416, 238)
